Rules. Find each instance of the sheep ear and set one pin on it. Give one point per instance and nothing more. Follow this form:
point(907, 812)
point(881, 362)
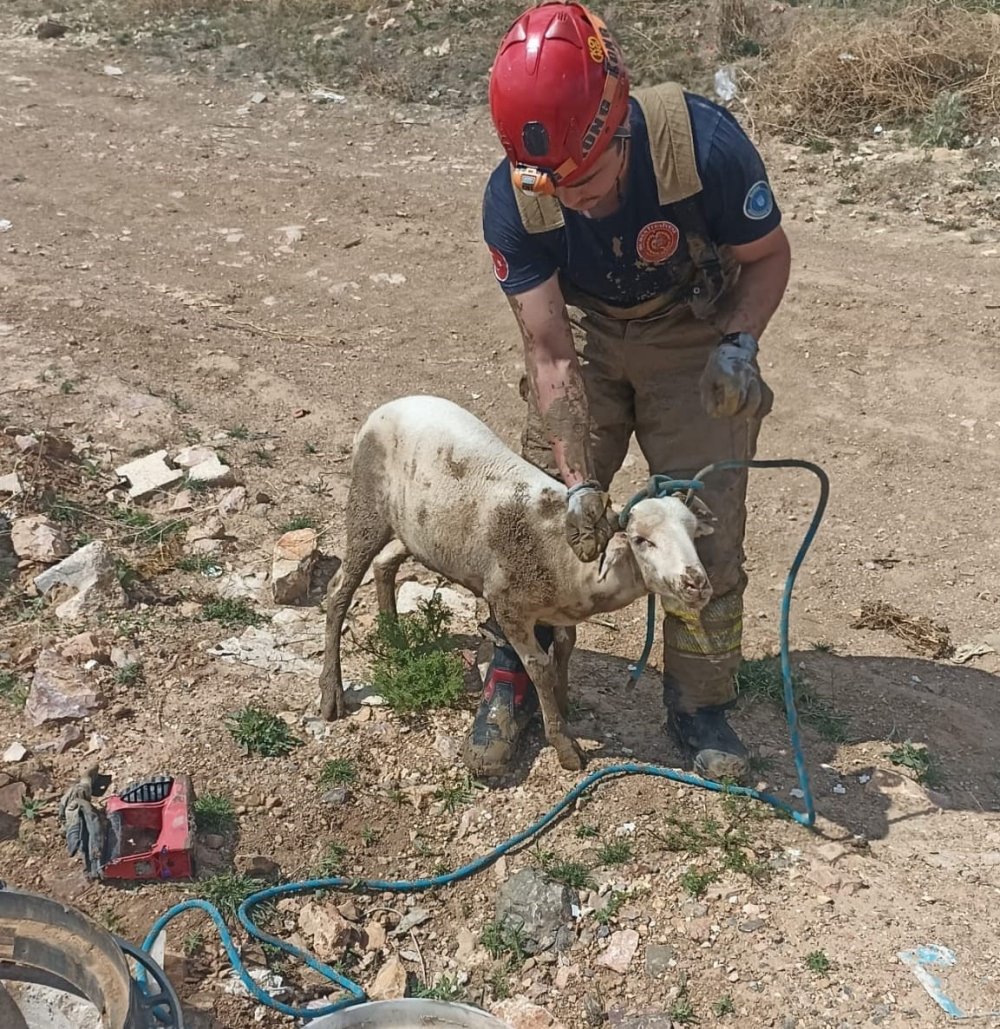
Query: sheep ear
point(706, 521)
point(617, 545)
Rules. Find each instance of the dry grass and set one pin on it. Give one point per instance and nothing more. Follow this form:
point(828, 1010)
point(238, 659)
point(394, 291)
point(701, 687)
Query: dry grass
point(844, 74)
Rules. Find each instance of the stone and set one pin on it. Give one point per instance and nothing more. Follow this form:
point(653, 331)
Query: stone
point(390, 983)
point(59, 691)
point(338, 796)
point(292, 564)
point(233, 501)
point(214, 841)
point(211, 472)
point(70, 736)
point(84, 647)
point(831, 851)
point(146, 475)
point(37, 538)
point(521, 1013)
point(412, 918)
point(529, 901)
point(92, 573)
point(658, 958)
point(188, 457)
point(330, 932)
point(15, 753)
point(261, 867)
point(374, 936)
point(449, 747)
point(12, 797)
point(467, 946)
point(620, 950)
point(46, 1006)
point(11, 484)
point(212, 529)
point(184, 501)
point(646, 1020)
point(461, 605)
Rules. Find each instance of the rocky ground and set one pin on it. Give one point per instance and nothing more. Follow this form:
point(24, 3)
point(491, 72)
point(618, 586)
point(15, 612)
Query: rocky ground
point(217, 279)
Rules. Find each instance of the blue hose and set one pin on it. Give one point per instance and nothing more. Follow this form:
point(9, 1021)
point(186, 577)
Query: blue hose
point(657, 486)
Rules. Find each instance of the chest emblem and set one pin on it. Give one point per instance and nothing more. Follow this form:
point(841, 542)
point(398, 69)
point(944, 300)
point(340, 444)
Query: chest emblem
point(657, 242)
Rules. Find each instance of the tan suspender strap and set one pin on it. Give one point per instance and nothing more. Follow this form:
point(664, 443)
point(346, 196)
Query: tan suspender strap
point(671, 143)
point(538, 213)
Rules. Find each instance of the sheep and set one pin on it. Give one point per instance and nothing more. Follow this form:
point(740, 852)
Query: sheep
point(431, 481)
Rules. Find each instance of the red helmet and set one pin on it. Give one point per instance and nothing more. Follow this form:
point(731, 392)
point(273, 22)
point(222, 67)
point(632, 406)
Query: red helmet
point(558, 93)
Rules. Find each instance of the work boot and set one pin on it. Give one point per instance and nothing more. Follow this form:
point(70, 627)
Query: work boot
point(508, 704)
point(718, 753)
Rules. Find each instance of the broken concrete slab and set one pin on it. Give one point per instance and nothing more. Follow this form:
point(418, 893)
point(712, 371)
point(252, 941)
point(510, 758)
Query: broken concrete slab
point(148, 474)
point(37, 538)
point(91, 572)
point(292, 564)
point(212, 472)
point(60, 690)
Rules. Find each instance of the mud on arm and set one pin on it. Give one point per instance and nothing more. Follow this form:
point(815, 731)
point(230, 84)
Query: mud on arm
point(554, 377)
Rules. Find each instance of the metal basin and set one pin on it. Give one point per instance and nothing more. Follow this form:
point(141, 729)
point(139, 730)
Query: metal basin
point(409, 1014)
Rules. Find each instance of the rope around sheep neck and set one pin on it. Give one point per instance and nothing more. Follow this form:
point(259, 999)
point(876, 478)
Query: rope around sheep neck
point(656, 487)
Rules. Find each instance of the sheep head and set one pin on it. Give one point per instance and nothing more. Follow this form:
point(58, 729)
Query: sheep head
point(660, 534)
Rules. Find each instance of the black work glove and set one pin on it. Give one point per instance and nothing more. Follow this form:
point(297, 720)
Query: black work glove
point(589, 520)
point(730, 383)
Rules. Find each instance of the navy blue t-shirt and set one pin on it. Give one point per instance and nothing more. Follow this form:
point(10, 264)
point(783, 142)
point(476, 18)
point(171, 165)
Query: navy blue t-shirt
point(637, 252)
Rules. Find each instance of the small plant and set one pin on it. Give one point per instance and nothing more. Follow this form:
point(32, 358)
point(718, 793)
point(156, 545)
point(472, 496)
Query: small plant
point(59, 509)
point(616, 853)
point(370, 835)
point(111, 920)
point(129, 674)
point(569, 873)
point(213, 813)
point(32, 808)
point(200, 563)
point(499, 981)
point(197, 485)
point(231, 613)
point(945, 123)
point(332, 862)
point(762, 678)
point(12, 690)
point(67, 386)
point(682, 1010)
point(454, 795)
point(611, 909)
point(501, 938)
point(240, 432)
point(695, 882)
point(300, 521)
point(193, 943)
point(227, 891)
point(586, 832)
point(816, 961)
point(338, 771)
point(412, 668)
point(724, 1006)
point(143, 530)
point(446, 989)
point(260, 732)
point(920, 761)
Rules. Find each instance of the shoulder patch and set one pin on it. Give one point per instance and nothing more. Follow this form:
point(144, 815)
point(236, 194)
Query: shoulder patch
point(759, 202)
point(500, 266)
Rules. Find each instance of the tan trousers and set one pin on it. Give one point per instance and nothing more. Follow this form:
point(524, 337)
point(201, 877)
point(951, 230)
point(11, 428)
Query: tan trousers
point(641, 377)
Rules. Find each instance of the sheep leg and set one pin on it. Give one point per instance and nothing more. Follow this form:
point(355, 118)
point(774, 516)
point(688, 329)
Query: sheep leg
point(385, 567)
point(367, 534)
point(565, 640)
point(541, 668)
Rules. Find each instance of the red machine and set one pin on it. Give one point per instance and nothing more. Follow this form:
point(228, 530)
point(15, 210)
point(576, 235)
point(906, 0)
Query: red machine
point(150, 830)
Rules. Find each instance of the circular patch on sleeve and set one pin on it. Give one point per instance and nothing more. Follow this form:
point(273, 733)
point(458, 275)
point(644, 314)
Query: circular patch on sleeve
point(657, 242)
point(596, 49)
point(500, 267)
point(759, 202)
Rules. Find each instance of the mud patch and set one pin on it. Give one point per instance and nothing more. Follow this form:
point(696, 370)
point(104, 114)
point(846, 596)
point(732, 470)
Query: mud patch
point(514, 541)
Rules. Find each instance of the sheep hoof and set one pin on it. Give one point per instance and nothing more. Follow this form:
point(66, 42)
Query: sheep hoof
point(570, 754)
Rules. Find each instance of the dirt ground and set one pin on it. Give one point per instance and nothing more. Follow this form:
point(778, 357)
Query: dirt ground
point(184, 264)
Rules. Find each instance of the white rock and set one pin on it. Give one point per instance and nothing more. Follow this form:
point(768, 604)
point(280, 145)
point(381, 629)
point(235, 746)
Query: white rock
point(148, 474)
point(37, 538)
point(620, 950)
point(91, 572)
point(11, 484)
point(461, 605)
point(390, 983)
point(212, 472)
point(188, 457)
point(16, 752)
point(233, 501)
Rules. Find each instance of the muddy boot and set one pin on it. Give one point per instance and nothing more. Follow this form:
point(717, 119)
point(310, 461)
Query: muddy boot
point(712, 743)
point(508, 704)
